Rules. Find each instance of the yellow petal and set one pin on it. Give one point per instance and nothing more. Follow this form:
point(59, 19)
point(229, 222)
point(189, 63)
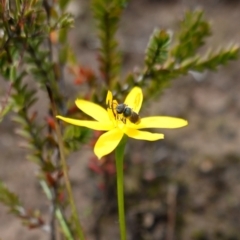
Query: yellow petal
point(160, 122)
point(143, 135)
point(111, 105)
point(109, 98)
point(95, 111)
point(89, 124)
point(108, 142)
point(134, 99)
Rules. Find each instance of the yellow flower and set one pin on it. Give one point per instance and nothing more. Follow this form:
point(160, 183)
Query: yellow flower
point(117, 125)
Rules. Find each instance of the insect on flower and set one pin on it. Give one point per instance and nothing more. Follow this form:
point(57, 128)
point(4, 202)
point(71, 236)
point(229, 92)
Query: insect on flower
point(122, 112)
point(119, 119)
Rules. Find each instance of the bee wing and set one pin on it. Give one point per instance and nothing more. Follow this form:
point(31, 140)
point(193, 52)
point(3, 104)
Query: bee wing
point(134, 99)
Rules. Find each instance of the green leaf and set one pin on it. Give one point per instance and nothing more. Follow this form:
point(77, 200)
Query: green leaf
point(107, 15)
point(63, 4)
point(9, 198)
point(193, 31)
point(4, 110)
point(63, 54)
point(23, 133)
point(211, 60)
point(74, 136)
point(65, 21)
point(63, 35)
point(157, 50)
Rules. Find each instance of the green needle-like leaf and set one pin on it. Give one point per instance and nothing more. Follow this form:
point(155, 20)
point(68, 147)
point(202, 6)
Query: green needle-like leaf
point(157, 50)
point(193, 31)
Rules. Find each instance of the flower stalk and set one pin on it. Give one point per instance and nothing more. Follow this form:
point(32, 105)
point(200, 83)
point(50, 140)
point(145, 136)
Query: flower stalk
point(119, 154)
point(119, 122)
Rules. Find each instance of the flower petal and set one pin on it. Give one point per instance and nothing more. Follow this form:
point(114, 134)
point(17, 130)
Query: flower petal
point(109, 98)
point(134, 99)
point(143, 135)
point(108, 142)
point(111, 105)
point(95, 111)
point(160, 122)
point(89, 124)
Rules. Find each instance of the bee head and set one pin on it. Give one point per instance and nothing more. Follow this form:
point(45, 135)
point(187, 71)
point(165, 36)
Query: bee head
point(120, 108)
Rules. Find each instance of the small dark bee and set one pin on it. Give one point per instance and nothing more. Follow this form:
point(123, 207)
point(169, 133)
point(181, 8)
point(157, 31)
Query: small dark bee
point(128, 113)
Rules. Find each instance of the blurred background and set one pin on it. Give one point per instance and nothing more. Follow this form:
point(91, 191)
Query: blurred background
point(184, 187)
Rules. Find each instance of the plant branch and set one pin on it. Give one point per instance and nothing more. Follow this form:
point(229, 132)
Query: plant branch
point(78, 226)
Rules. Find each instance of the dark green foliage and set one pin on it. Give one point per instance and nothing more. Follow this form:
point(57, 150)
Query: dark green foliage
point(107, 15)
point(193, 31)
point(157, 50)
point(23, 98)
point(165, 62)
point(26, 50)
point(214, 59)
point(74, 136)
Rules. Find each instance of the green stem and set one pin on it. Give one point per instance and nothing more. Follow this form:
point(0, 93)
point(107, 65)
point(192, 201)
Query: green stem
point(76, 220)
point(62, 221)
point(78, 227)
point(119, 153)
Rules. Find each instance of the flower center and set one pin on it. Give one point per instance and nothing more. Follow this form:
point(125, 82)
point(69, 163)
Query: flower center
point(122, 113)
